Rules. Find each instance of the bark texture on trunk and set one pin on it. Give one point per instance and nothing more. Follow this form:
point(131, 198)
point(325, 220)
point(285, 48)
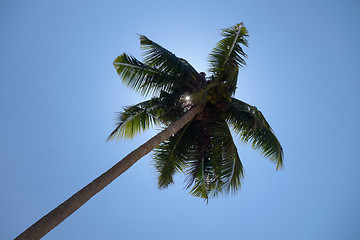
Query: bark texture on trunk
point(64, 210)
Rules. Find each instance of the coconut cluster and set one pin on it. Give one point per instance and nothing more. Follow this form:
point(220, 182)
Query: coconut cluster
point(218, 94)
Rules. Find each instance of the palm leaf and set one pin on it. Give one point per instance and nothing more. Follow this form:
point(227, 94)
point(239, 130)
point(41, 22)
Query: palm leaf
point(141, 77)
point(251, 125)
point(231, 169)
point(163, 59)
point(228, 50)
point(200, 187)
point(207, 183)
point(136, 118)
point(220, 169)
point(172, 155)
point(197, 163)
point(228, 56)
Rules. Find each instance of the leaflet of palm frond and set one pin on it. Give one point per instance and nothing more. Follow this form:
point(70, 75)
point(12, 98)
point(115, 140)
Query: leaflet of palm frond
point(164, 60)
point(228, 50)
point(199, 188)
point(202, 148)
point(141, 77)
point(214, 178)
point(135, 119)
point(230, 170)
point(252, 127)
point(207, 183)
point(173, 155)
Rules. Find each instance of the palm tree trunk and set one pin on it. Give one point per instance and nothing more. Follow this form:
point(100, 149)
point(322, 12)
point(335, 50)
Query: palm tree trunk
point(64, 210)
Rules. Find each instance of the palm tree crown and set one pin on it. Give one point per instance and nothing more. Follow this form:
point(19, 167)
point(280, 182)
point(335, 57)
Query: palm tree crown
point(204, 148)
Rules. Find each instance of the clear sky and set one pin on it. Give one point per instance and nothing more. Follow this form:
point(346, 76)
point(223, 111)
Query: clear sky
point(59, 94)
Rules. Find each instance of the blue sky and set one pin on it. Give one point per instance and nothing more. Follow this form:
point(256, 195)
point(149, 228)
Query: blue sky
point(59, 94)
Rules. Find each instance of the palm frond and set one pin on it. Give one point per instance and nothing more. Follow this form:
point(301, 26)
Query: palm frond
point(231, 78)
point(201, 153)
point(136, 118)
point(219, 170)
point(228, 56)
point(201, 184)
point(141, 77)
point(251, 125)
point(166, 61)
point(231, 169)
point(172, 155)
point(228, 50)
point(208, 182)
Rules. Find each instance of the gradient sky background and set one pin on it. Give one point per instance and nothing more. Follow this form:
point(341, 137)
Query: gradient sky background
point(59, 94)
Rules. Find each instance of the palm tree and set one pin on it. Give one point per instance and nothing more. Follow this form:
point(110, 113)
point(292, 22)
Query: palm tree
point(199, 116)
